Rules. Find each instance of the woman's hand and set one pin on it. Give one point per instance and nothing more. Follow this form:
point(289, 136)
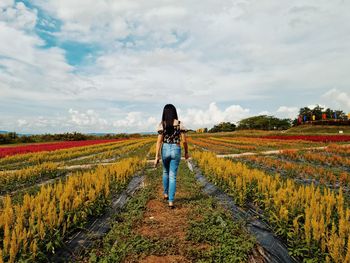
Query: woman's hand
point(156, 161)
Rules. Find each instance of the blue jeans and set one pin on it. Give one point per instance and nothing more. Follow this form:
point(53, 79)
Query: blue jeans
point(171, 156)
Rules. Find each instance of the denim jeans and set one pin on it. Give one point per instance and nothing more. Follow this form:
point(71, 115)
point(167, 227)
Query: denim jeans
point(171, 156)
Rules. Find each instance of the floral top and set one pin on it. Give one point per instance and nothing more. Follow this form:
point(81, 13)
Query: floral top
point(175, 137)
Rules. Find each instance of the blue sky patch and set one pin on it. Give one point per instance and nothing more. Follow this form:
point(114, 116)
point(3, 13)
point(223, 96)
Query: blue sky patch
point(77, 53)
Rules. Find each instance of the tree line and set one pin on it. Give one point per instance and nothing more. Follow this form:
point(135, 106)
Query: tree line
point(13, 137)
point(261, 122)
point(319, 113)
point(265, 122)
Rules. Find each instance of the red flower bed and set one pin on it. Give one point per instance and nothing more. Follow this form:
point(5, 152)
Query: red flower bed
point(314, 138)
point(12, 150)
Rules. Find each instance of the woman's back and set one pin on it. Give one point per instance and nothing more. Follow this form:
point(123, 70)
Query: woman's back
point(171, 134)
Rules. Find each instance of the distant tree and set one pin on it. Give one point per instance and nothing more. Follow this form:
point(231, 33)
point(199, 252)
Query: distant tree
point(12, 135)
point(329, 113)
point(306, 111)
point(223, 127)
point(295, 122)
point(341, 114)
point(264, 122)
point(4, 139)
point(26, 139)
point(318, 111)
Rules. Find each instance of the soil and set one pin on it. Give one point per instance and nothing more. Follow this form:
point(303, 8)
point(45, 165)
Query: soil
point(164, 259)
point(161, 222)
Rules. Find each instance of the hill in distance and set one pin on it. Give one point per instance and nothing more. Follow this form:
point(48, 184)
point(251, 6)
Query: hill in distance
point(319, 129)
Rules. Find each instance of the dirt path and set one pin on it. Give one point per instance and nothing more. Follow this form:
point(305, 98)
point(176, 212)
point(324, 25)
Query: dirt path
point(191, 232)
point(160, 222)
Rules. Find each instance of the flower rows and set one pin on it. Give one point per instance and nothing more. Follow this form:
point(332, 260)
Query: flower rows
point(300, 170)
point(11, 180)
point(115, 152)
point(219, 147)
point(42, 220)
point(316, 157)
point(314, 222)
point(63, 154)
point(239, 144)
point(12, 150)
point(265, 143)
point(315, 138)
point(339, 149)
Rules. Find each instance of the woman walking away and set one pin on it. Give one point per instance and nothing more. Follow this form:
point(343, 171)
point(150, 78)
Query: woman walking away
point(171, 132)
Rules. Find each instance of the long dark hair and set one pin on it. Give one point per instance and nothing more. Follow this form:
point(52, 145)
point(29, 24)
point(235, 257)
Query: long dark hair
point(169, 115)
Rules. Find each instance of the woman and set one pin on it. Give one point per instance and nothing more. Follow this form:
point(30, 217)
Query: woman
point(171, 132)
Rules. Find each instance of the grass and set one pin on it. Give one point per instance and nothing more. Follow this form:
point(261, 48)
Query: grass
point(224, 239)
point(318, 129)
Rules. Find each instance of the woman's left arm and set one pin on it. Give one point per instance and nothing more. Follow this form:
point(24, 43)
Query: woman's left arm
point(184, 142)
point(159, 144)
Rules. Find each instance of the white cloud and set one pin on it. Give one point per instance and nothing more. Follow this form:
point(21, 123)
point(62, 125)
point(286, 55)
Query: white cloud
point(287, 112)
point(6, 3)
point(196, 118)
point(312, 106)
point(135, 121)
point(224, 51)
point(338, 97)
point(89, 118)
point(29, 71)
point(40, 124)
point(22, 123)
point(265, 112)
point(88, 121)
point(104, 21)
point(190, 52)
point(18, 15)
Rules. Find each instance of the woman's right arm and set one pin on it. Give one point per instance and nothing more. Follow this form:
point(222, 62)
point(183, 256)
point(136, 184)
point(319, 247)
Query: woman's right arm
point(159, 144)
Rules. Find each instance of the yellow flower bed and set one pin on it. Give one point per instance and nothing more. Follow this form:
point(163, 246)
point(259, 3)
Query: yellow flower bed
point(48, 215)
point(305, 215)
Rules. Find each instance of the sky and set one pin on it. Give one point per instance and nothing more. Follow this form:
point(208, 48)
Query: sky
point(111, 66)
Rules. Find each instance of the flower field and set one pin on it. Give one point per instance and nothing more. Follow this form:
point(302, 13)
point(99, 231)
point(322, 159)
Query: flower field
point(12, 150)
point(42, 199)
point(301, 188)
point(71, 154)
point(315, 138)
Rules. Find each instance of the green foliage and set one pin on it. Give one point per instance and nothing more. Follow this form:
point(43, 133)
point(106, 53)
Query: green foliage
point(264, 122)
point(227, 241)
point(318, 111)
point(314, 116)
point(223, 127)
point(8, 137)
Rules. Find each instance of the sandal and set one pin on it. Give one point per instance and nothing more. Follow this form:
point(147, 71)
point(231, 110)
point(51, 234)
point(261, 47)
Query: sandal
point(171, 206)
point(165, 197)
